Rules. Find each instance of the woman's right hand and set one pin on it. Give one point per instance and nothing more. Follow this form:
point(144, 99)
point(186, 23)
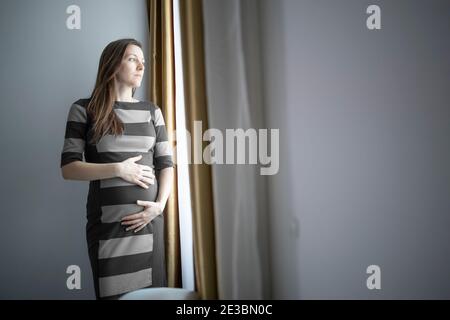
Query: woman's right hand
point(136, 173)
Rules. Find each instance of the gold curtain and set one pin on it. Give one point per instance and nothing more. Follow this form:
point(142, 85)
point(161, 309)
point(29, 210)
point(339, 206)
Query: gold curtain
point(162, 92)
point(200, 174)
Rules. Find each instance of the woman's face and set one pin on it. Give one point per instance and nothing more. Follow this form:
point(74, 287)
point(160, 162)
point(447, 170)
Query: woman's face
point(132, 67)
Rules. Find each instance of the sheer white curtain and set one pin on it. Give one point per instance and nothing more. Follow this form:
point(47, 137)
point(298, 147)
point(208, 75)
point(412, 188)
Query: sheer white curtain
point(184, 200)
point(233, 78)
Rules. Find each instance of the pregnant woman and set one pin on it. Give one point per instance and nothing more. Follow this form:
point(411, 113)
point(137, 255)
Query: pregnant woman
point(128, 161)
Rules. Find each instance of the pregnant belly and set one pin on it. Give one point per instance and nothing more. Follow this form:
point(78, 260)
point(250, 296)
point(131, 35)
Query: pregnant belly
point(118, 198)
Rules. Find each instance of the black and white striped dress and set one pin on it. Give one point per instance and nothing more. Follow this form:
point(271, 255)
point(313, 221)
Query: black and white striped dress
point(122, 261)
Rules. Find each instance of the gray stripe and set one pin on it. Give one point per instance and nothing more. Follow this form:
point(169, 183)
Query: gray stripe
point(124, 143)
point(73, 145)
point(159, 119)
point(115, 182)
point(125, 246)
point(113, 285)
point(115, 212)
point(163, 149)
point(77, 113)
point(133, 116)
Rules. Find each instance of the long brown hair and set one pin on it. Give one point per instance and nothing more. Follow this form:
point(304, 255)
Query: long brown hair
point(100, 107)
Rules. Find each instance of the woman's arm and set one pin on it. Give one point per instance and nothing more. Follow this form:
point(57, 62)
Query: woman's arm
point(128, 170)
point(165, 186)
point(80, 170)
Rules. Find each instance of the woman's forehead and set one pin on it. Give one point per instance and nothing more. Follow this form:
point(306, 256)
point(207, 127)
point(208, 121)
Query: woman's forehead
point(133, 49)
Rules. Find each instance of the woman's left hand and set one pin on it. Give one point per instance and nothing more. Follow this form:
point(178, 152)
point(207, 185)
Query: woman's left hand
point(139, 220)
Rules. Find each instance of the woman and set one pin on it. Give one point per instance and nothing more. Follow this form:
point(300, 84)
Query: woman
point(128, 161)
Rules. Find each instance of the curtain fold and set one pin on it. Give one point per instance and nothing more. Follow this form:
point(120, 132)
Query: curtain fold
point(200, 174)
point(162, 93)
point(234, 90)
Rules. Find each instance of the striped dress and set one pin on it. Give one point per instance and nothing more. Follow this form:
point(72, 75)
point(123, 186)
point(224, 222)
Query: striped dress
point(121, 261)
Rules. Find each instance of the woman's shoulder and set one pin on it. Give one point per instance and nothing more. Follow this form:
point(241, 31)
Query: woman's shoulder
point(83, 102)
point(150, 104)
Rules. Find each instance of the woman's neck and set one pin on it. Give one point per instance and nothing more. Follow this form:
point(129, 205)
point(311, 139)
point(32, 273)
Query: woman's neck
point(124, 93)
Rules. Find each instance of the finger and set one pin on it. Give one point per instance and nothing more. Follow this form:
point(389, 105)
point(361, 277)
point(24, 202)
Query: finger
point(134, 216)
point(148, 180)
point(134, 226)
point(144, 203)
point(140, 183)
point(146, 168)
point(148, 174)
point(141, 227)
point(134, 159)
point(147, 203)
point(130, 222)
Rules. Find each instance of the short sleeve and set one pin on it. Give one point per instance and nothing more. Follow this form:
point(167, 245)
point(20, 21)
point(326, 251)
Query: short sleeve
point(75, 135)
point(163, 150)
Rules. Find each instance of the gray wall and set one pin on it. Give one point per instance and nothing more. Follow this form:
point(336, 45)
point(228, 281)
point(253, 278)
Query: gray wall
point(44, 68)
point(365, 159)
